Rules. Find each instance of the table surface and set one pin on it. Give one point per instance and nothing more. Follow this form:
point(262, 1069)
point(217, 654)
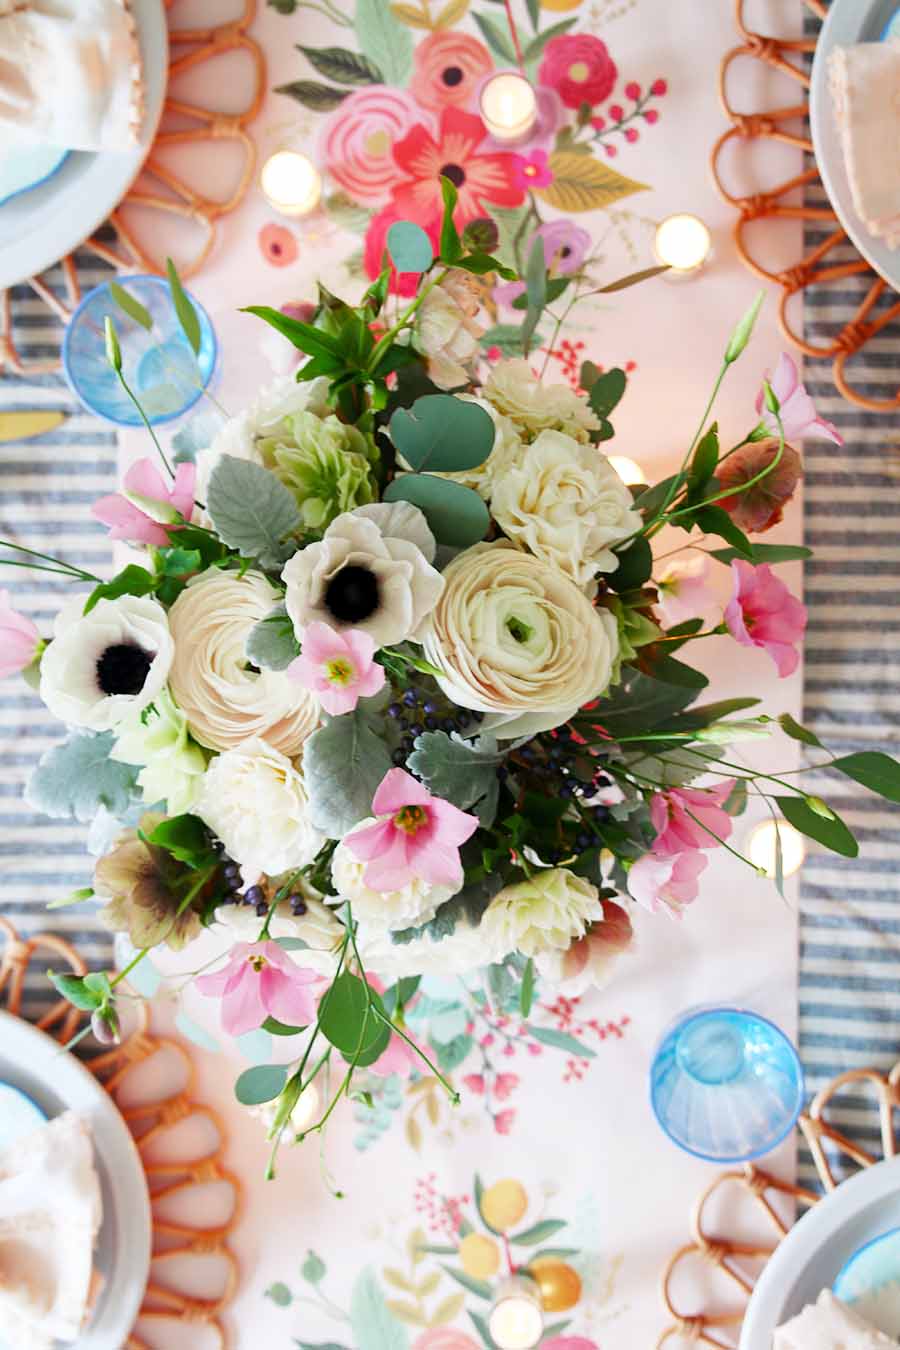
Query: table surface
point(576, 1132)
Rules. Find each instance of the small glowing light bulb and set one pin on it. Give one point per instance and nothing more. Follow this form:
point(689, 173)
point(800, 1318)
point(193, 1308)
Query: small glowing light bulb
point(762, 843)
point(291, 183)
point(628, 470)
point(683, 244)
point(508, 106)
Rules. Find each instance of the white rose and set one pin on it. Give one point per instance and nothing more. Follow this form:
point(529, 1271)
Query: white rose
point(224, 702)
point(466, 949)
point(565, 503)
point(446, 332)
point(517, 639)
point(362, 576)
point(317, 927)
point(103, 666)
point(547, 912)
point(158, 739)
point(255, 801)
point(384, 910)
point(514, 389)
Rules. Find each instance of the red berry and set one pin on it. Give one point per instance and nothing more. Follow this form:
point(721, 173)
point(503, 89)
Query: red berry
point(631, 134)
point(616, 112)
point(598, 123)
point(651, 115)
point(633, 91)
point(658, 87)
point(611, 151)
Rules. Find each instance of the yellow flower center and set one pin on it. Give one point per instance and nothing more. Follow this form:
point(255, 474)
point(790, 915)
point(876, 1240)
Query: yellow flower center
point(579, 72)
point(377, 143)
point(530, 171)
point(410, 819)
point(257, 961)
point(339, 671)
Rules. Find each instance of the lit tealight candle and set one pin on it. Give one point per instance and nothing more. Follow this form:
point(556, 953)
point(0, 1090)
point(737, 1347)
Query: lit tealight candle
point(291, 183)
point(761, 847)
point(683, 244)
point(508, 106)
point(628, 470)
point(517, 1316)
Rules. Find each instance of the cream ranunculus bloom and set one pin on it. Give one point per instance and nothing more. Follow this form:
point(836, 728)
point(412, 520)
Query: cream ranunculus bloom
point(516, 638)
point(565, 503)
point(104, 666)
point(513, 389)
point(365, 574)
point(547, 912)
point(384, 910)
point(255, 801)
point(317, 927)
point(225, 703)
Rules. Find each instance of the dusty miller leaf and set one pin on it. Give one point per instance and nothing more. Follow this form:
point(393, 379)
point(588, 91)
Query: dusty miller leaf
point(78, 777)
point(343, 763)
point(271, 643)
point(251, 510)
point(462, 772)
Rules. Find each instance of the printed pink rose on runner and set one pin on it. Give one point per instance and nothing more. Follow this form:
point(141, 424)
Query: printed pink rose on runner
point(419, 836)
point(259, 980)
point(448, 68)
point(358, 140)
point(763, 613)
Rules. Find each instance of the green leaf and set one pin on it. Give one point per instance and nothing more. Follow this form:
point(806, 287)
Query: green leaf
point(797, 732)
point(459, 771)
point(635, 566)
point(481, 1326)
point(130, 306)
point(633, 279)
point(442, 434)
point(526, 994)
point(706, 458)
point(313, 1269)
point(453, 1053)
point(669, 670)
point(341, 65)
point(451, 244)
point(343, 1016)
point(607, 390)
point(482, 263)
point(534, 12)
point(538, 1232)
point(385, 41)
point(714, 520)
point(76, 778)
point(180, 562)
point(650, 501)
point(262, 1083)
point(510, 222)
point(276, 1028)
point(536, 290)
point(508, 337)
point(75, 898)
point(79, 994)
point(271, 644)
point(555, 288)
point(741, 333)
point(252, 511)
point(538, 43)
point(638, 705)
point(304, 336)
point(343, 764)
point(132, 580)
point(764, 553)
point(833, 833)
point(456, 514)
point(318, 97)
point(280, 1295)
point(474, 1286)
point(186, 838)
point(707, 713)
point(561, 1040)
point(184, 308)
point(874, 770)
point(496, 37)
point(409, 247)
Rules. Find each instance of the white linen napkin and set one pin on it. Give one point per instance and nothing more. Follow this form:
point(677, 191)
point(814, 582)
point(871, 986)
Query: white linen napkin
point(50, 1215)
point(829, 1324)
point(70, 74)
point(864, 81)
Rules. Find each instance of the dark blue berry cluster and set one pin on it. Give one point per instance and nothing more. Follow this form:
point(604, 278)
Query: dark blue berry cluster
point(420, 710)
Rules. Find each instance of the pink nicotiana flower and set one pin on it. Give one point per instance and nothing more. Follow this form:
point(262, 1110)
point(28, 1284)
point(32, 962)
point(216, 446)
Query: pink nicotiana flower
point(145, 505)
point(763, 613)
point(666, 885)
point(690, 818)
point(532, 170)
point(259, 980)
point(683, 592)
point(20, 641)
point(797, 411)
point(419, 836)
point(338, 667)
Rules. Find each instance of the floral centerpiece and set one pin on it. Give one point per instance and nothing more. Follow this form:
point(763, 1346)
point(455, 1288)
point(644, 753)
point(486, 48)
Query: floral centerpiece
point(399, 687)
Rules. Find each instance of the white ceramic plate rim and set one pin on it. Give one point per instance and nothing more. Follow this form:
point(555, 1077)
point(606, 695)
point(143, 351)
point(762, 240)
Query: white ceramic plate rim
point(41, 1059)
point(846, 21)
point(769, 1304)
point(55, 217)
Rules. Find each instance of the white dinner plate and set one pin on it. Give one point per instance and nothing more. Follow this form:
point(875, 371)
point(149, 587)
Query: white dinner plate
point(55, 1081)
point(848, 21)
point(40, 226)
point(818, 1247)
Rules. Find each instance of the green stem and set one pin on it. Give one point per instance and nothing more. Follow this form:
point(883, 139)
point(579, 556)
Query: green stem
point(690, 450)
point(162, 454)
point(384, 342)
point(48, 557)
point(725, 845)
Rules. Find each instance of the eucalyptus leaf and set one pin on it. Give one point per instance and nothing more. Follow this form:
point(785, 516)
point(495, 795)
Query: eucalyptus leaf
point(78, 777)
point(343, 764)
point(442, 434)
point(343, 1020)
point(262, 1083)
point(409, 247)
point(456, 514)
point(251, 510)
point(271, 644)
point(184, 308)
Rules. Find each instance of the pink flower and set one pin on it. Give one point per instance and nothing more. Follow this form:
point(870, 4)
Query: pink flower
point(690, 818)
point(797, 412)
point(444, 1338)
point(338, 667)
point(357, 141)
point(505, 1085)
point(763, 613)
point(531, 171)
point(419, 836)
point(683, 592)
point(566, 246)
point(504, 1121)
point(579, 67)
point(482, 178)
point(448, 68)
point(569, 1343)
point(259, 980)
point(399, 1058)
point(666, 885)
point(146, 504)
point(20, 641)
point(474, 1082)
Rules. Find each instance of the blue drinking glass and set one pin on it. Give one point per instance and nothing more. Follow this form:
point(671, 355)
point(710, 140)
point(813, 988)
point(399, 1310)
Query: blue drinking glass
point(726, 1084)
point(158, 365)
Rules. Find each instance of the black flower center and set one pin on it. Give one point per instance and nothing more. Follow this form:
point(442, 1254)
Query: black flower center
point(565, 251)
point(452, 75)
point(352, 595)
point(122, 669)
point(455, 173)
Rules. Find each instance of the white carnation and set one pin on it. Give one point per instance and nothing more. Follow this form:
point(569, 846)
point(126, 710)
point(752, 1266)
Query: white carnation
point(514, 389)
point(104, 666)
point(466, 949)
point(255, 801)
point(384, 910)
point(548, 911)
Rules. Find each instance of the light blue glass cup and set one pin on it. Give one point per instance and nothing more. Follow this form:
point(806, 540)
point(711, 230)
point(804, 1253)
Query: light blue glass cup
point(159, 365)
point(726, 1084)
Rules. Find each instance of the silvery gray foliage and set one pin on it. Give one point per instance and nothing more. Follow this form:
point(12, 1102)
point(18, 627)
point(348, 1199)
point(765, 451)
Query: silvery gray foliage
point(271, 644)
point(252, 511)
point(78, 777)
point(463, 772)
point(343, 763)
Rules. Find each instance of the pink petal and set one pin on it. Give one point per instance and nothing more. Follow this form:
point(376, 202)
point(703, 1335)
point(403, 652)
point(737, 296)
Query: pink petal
point(321, 643)
point(397, 1058)
point(785, 379)
point(243, 1009)
point(17, 651)
point(391, 870)
point(128, 522)
point(371, 681)
point(181, 494)
point(337, 699)
point(453, 826)
point(305, 671)
point(437, 864)
point(371, 841)
point(218, 980)
point(145, 480)
point(287, 998)
point(396, 790)
point(361, 646)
